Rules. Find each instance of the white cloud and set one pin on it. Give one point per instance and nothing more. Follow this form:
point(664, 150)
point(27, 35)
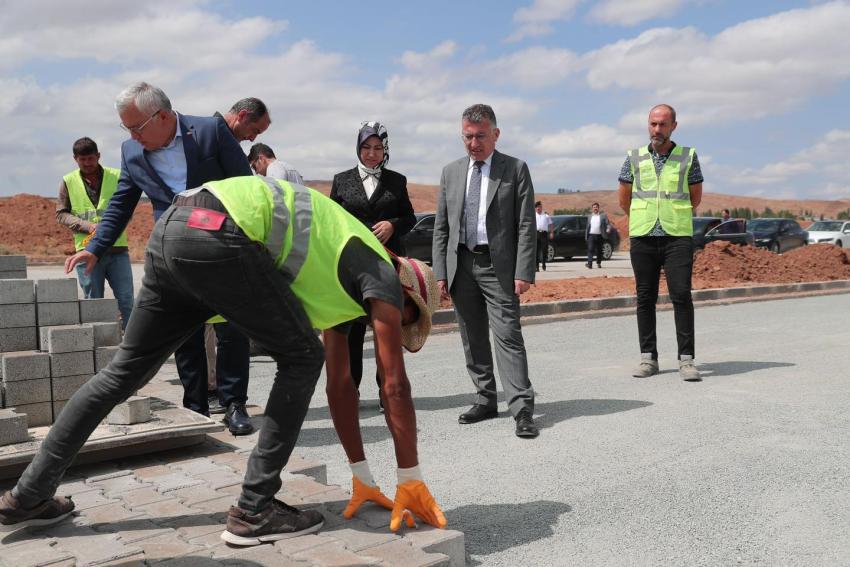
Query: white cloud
point(632, 12)
point(535, 20)
point(414, 60)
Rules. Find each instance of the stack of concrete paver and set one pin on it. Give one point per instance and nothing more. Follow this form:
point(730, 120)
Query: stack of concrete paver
point(51, 343)
point(13, 267)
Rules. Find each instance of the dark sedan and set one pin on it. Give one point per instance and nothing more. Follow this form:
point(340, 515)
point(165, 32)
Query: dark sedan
point(417, 242)
point(778, 235)
point(569, 238)
point(709, 229)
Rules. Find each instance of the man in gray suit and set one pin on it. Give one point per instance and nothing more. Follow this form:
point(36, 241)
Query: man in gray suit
point(484, 256)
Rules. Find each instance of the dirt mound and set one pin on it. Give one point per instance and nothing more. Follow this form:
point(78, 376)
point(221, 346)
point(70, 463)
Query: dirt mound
point(722, 264)
point(28, 226)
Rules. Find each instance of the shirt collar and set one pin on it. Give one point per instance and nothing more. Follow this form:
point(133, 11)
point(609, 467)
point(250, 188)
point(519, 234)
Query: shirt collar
point(652, 150)
point(177, 134)
point(487, 161)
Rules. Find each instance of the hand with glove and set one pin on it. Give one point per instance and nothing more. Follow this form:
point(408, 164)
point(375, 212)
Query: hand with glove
point(414, 496)
point(362, 493)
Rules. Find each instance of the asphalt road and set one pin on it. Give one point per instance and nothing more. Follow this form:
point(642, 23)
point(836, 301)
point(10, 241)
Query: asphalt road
point(748, 467)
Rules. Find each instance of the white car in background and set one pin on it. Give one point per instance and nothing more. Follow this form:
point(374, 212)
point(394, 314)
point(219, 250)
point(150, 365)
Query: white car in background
point(831, 232)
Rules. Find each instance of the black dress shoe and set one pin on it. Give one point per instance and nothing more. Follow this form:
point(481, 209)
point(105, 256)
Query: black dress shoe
point(477, 413)
point(237, 420)
point(525, 425)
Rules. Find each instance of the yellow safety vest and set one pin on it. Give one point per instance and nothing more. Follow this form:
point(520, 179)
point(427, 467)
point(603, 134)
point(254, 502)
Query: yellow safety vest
point(305, 232)
point(82, 206)
point(661, 197)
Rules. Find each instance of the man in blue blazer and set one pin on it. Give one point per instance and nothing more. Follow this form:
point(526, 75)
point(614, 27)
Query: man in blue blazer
point(167, 153)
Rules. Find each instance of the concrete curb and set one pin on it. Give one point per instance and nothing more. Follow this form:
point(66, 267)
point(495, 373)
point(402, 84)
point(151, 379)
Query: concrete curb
point(446, 317)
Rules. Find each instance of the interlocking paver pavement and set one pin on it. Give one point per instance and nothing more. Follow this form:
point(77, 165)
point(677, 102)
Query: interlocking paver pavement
point(169, 508)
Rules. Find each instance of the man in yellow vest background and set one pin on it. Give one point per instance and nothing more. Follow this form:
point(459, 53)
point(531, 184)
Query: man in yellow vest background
point(660, 188)
point(83, 197)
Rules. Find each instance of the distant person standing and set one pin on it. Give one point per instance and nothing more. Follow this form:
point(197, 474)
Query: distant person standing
point(660, 186)
point(725, 215)
point(484, 252)
point(377, 197)
point(263, 161)
point(84, 196)
point(545, 233)
point(597, 229)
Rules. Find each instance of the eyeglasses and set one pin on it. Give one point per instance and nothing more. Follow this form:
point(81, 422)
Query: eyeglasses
point(138, 129)
point(479, 137)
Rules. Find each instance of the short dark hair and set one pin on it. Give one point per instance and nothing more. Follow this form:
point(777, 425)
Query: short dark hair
point(84, 147)
point(725, 211)
point(668, 107)
point(597, 204)
point(478, 112)
point(255, 107)
point(258, 150)
point(538, 204)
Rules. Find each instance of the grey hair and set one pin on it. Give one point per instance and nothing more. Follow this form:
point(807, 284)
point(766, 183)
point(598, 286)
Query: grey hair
point(255, 107)
point(479, 112)
point(146, 97)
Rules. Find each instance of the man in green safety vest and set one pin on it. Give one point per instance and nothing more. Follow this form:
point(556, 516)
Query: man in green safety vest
point(83, 197)
point(660, 188)
point(276, 260)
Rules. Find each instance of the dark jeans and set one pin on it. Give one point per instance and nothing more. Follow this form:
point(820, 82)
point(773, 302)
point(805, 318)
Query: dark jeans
point(232, 364)
point(676, 255)
point(594, 248)
point(542, 247)
point(190, 275)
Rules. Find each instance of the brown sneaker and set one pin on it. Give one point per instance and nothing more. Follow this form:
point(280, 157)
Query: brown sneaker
point(278, 521)
point(14, 517)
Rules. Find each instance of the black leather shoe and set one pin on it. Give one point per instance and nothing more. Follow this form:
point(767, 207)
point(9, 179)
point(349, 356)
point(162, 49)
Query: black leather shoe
point(477, 413)
point(237, 420)
point(525, 425)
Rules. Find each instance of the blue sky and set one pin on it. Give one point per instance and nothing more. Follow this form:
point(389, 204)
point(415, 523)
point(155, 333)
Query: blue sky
point(761, 87)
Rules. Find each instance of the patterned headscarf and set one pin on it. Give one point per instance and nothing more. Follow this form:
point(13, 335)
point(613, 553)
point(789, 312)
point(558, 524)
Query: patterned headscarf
point(368, 129)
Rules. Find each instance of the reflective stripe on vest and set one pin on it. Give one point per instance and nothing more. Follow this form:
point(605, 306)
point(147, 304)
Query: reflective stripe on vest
point(661, 196)
point(303, 213)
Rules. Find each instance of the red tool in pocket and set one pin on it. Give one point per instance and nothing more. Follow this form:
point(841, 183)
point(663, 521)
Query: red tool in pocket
point(206, 219)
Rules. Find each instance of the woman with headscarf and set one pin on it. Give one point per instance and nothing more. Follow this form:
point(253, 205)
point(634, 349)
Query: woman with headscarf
point(377, 196)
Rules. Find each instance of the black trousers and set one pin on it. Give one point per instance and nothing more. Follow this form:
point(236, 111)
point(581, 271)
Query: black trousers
point(594, 248)
point(676, 255)
point(542, 247)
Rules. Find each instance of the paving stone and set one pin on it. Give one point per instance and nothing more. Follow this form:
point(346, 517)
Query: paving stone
point(55, 290)
point(25, 392)
point(142, 496)
point(15, 315)
point(401, 554)
point(200, 465)
point(174, 481)
point(121, 484)
point(58, 406)
point(260, 555)
point(105, 334)
point(103, 356)
point(24, 365)
point(109, 517)
point(141, 528)
point(136, 409)
point(13, 275)
point(357, 535)
point(220, 479)
point(137, 560)
point(334, 554)
point(434, 540)
point(63, 387)
point(13, 427)
point(90, 547)
point(153, 470)
point(64, 313)
point(217, 506)
point(190, 561)
point(104, 310)
point(166, 546)
point(13, 262)
point(33, 556)
point(22, 338)
point(293, 546)
point(92, 499)
point(316, 470)
point(16, 291)
point(66, 338)
point(71, 364)
point(195, 494)
point(193, 528)
point(38, 414)
point(165, 512)
point(95, 476)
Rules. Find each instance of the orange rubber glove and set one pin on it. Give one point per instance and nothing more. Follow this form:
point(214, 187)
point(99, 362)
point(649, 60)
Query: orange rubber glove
point(360, 494)
point(415, 497)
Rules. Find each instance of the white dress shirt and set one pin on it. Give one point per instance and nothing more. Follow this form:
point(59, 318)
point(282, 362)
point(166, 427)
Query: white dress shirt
point(544, 221)
point(370, 182)
point(169, 161)
point(595, 224)
point(482, 203)
point(279, 169)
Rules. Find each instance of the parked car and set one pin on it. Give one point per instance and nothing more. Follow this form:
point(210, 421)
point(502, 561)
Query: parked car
point(709, 229)
point(417, 242)
point(778, 235)
point(830, 231)
point(569, 238)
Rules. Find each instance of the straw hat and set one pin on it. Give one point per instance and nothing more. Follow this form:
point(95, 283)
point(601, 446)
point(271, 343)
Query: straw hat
point(418, 283)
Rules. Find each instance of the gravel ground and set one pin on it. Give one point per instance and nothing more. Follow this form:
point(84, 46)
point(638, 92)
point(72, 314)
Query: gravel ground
point(748, 467)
